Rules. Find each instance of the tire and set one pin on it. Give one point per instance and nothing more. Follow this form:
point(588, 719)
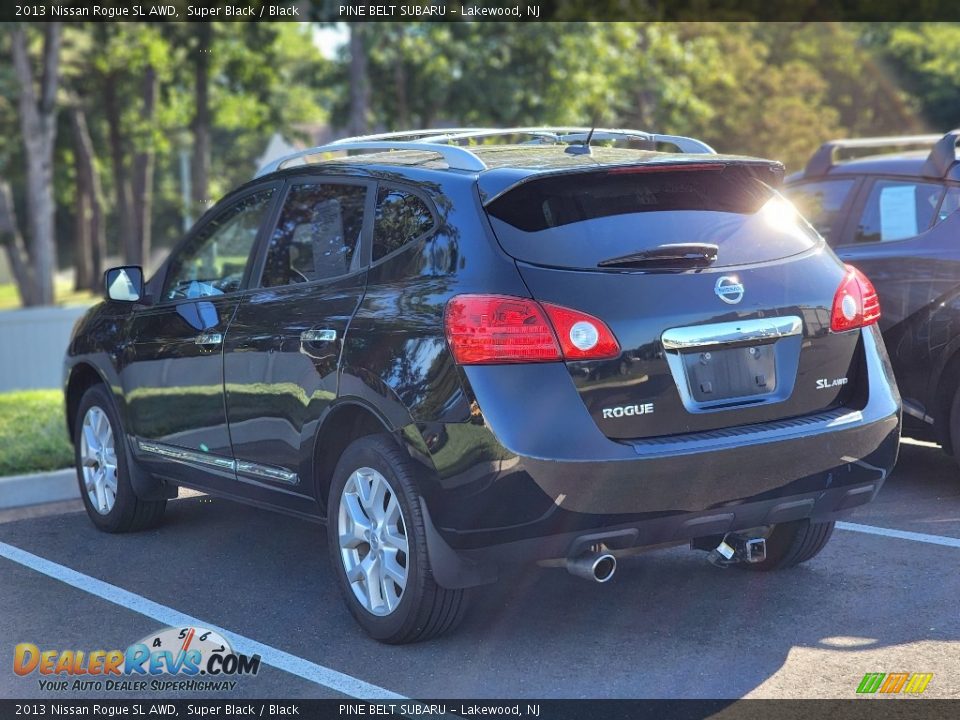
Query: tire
point(793, 543)
point(954, 428)
point(126, 512)
point(421, 609)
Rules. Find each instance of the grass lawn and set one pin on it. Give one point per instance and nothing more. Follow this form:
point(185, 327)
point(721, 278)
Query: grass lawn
point(33, 433)
point(64, 295)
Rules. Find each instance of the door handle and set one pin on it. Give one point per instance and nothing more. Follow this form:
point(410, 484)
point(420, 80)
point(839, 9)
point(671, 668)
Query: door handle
point(209, 338)
point(318, 336)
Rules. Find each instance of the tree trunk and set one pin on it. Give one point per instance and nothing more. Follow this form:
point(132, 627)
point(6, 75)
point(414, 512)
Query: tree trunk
point(121, 179)
point(400, 81)
point(359, 82)
point(88, 185)
point(143, 176)
point(200, 170)
point(16, 251)
point(83, 211)
point(39, 128)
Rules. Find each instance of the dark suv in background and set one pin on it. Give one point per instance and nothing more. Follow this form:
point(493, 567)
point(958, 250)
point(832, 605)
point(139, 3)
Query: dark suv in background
point(462, 358)
point(894, 216)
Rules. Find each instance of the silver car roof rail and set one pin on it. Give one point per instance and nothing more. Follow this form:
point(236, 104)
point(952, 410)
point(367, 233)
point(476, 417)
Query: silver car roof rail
point(457, 157)
point(943, 156)
point(938, 162)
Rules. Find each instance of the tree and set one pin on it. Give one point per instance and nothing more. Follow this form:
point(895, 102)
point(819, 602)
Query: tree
point(138, 248)
point(16, 250)
point(37, 111)
point(359, 81)
point(200, 169)
point(925, 59)
point(89, 233)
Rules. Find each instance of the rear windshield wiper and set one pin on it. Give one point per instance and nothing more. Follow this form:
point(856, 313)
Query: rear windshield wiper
point(667, 256)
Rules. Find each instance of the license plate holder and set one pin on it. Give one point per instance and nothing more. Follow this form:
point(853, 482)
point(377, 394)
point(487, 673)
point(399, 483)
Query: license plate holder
point(726, 374)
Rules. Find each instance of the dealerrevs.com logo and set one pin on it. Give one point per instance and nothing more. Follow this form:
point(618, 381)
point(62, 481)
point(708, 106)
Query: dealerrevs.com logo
point(198, 658)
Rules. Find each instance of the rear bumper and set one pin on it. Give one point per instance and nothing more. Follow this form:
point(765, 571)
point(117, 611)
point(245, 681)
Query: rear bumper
point(559, 485)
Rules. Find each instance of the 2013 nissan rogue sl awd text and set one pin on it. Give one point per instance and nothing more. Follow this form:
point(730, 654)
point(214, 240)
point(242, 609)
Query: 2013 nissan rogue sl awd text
point(549, 344)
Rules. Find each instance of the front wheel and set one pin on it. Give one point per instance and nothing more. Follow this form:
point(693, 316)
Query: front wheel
point(378, 546)
point(102, 469)
point(792, 543)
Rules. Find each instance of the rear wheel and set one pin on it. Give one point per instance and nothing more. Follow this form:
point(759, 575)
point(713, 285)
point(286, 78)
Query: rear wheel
point(378, 546)
point(955, 424)
point(102, 469)
point(792, 543)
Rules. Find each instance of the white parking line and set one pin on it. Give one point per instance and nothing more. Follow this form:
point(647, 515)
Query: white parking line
point(901, 534)
point(329, 678)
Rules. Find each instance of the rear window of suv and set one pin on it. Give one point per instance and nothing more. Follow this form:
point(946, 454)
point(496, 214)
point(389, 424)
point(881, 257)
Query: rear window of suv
point(579, 219)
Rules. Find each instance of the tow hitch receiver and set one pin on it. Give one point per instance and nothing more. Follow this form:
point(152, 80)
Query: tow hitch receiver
point(735, 549)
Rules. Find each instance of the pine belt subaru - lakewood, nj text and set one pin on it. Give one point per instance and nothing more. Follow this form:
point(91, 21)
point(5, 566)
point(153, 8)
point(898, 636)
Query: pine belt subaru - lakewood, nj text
point(469, 349)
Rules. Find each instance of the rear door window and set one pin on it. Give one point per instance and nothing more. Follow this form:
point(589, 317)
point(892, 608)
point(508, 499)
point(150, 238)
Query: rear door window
point(581, 219)
point(897, 209)
point(821, 203)
point(400, 217)
point(318, 234)
point(950, 204)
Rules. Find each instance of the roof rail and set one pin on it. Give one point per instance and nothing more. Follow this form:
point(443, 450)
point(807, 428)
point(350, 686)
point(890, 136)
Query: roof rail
point(826, 156)
point(456, 157)
point(943, 156)
point(407, 134)
point(443, 142)
point(579, 134)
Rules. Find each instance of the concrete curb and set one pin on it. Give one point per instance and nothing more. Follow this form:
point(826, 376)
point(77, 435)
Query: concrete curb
point(38, 488)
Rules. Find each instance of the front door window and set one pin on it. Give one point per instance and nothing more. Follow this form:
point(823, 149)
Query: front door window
point(213, 262)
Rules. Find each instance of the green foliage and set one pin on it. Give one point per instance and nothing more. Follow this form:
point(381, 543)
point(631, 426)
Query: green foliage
point(927, 59)
point(770, 89)
point(33, 432)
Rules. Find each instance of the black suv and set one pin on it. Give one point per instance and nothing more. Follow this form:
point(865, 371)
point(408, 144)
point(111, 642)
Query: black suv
point(894, 216)
point(466, 357)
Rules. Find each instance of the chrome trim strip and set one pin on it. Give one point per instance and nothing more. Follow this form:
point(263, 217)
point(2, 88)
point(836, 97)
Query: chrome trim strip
point(268, 472)
point(318, 336)
point(209, 339)
point(184, 455)
point(218, 461)
point(728, 333)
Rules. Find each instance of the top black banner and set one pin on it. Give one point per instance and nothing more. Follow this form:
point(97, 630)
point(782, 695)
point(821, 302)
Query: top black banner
point(479, 10)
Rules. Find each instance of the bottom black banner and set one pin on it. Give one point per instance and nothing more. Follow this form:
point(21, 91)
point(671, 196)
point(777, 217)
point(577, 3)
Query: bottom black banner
point(873, 708)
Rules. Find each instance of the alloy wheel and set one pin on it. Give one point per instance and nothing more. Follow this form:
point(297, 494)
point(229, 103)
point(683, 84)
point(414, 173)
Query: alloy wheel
point(98, 460)
point(373, 541)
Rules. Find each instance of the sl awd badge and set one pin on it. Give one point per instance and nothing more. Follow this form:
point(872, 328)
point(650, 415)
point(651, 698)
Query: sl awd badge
point(729, 289)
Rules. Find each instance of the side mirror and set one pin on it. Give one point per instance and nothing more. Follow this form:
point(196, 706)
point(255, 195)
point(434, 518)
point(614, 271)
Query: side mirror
point(125, 283)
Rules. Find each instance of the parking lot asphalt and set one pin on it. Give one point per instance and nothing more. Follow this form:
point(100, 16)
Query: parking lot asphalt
point(668, 626)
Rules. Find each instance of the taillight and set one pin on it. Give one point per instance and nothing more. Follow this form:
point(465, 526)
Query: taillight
point(855, 304)
point(582, 336)
point(490, 329)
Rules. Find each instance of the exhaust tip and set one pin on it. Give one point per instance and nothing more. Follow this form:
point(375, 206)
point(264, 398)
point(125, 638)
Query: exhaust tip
point(595, 566)
point(604, 567)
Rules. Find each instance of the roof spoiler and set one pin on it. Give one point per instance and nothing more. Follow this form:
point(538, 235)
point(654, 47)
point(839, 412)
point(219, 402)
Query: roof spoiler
point(942, 157)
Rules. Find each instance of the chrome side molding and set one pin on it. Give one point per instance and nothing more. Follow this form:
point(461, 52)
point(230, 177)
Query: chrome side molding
point(187, 456)
point(192, 457)
point(267, 471)
point(729, 333)
point(209, 338)
point(318, 336)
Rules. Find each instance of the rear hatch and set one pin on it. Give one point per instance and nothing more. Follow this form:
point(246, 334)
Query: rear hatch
point(718, 293)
